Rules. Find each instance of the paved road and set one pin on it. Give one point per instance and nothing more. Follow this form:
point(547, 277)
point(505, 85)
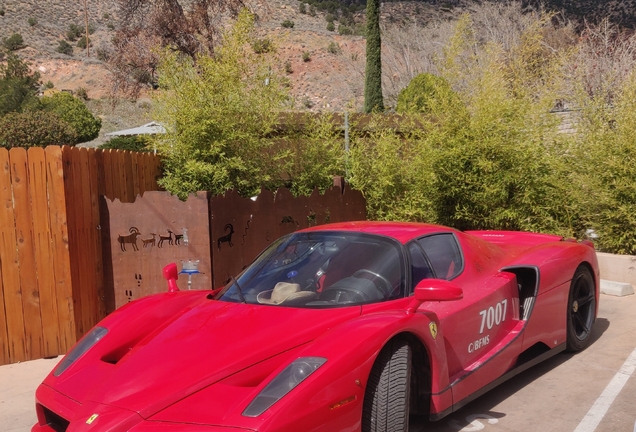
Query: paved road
point(559, 395)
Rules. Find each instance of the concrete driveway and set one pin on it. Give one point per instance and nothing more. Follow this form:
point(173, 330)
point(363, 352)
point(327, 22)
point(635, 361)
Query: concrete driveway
point(594, 390)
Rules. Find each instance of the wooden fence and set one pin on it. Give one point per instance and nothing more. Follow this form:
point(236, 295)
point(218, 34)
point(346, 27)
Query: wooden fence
point(51, 264)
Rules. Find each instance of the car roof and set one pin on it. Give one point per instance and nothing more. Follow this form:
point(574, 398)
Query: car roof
point(401, 231)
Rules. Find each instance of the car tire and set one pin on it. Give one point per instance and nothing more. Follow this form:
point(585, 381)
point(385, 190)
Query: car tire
point(387, 397)
point(581, 309)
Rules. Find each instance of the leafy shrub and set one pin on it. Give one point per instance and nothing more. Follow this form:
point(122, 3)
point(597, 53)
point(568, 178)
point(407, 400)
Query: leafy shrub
point(74, 32)
point(302, 8)
point(1, 12)
point(74, 112)
point(287, 24)
point(330, 18)
point(306, 56)
point(18, 85)
point(427, 94)
point(224, 116)
point(334, 48)
point(106, 15)
point(64, 47)
point(49, 85)
point(360, 29)
point(14, 42)
point(36, 128)
point(132, 143)
point(82, 93)
point(262, 46)
point(32, 21)
point(103, 54)
point(81, 43)
point(315, 155)
point(110, 26)
point(331, 26)
point(344, 30)
point(603, 168)
point(288, 67)
point(312, 11)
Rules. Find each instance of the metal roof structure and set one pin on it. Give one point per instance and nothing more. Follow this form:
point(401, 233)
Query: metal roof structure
point(151, 128)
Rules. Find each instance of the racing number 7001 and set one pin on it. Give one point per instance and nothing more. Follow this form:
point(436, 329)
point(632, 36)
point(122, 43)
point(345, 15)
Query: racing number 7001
point(493, 315)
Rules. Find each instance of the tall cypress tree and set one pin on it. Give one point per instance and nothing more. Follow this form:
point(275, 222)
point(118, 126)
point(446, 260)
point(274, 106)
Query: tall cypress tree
point(373, 76)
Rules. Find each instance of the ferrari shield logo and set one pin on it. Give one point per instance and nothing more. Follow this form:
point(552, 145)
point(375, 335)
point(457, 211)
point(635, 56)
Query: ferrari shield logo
point(92, 418)
point(433, 328)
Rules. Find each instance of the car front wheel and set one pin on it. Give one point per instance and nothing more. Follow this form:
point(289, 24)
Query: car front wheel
point(386, 400)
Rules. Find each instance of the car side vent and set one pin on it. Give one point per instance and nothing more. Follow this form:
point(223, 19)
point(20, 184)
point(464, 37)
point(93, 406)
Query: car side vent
point(54, 421)
point(528, 282)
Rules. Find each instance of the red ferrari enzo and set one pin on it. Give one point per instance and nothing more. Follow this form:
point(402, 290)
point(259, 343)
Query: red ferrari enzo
point(342, 327)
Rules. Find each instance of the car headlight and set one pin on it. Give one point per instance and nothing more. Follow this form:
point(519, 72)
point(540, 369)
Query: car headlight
point(286, 381)
point(78, 350)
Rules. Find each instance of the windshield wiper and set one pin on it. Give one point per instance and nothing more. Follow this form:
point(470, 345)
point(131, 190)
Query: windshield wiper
point(238, 290)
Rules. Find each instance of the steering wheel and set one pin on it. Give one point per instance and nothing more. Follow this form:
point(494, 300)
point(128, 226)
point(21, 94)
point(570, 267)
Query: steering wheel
point(343, 296)
point(381, 283)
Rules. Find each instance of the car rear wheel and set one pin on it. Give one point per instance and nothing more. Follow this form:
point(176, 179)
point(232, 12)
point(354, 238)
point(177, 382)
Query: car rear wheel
point(581, 309)
point(386, 401)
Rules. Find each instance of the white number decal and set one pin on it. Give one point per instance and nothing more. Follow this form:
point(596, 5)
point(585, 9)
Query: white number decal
point(493, 315)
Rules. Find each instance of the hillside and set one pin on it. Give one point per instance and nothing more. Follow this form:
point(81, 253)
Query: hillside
point(332, 79)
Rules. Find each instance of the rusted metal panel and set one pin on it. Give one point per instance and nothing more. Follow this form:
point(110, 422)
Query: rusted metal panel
point(242, 227)
point(149, 233)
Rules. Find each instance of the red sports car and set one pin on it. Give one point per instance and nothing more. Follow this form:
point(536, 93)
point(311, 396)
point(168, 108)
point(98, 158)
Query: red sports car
point(342, 327)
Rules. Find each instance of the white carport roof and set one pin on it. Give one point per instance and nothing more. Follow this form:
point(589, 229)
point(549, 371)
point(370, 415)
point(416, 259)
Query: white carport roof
point(151, 128)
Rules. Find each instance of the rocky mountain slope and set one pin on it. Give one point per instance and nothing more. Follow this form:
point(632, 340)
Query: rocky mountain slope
point(325, 69)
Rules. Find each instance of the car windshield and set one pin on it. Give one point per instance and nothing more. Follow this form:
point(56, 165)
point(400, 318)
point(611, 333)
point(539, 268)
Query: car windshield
point(322, 269)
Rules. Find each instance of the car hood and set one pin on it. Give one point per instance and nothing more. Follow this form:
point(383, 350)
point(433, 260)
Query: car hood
point(199, 347)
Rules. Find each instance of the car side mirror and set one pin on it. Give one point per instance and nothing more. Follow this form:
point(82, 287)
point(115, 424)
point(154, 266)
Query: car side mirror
point(171, 274)
point(434, 290)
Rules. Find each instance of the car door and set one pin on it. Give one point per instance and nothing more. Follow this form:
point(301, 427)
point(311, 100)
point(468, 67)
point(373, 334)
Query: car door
point(483, 319)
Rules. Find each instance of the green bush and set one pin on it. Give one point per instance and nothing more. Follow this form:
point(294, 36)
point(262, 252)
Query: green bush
point(223, 116)
point(81, 43)
point(287, 24)
point(302, 8)
point(82, 93)
point(428, 94)
point(13, 42)
point(262, 46)
point(306, 56)
point(74, 112)
point(344, 30)
point(64, 47)
point(486, 157)
point(288, 67)
point(334, 48)
point(36, 128)
point(32, 21)
point(49, 85)
point(74, 32)
point(18, 85)
point(603, 168)
point(315, 154)
point(331, 26)
point(132, 143)
point(1, 12)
